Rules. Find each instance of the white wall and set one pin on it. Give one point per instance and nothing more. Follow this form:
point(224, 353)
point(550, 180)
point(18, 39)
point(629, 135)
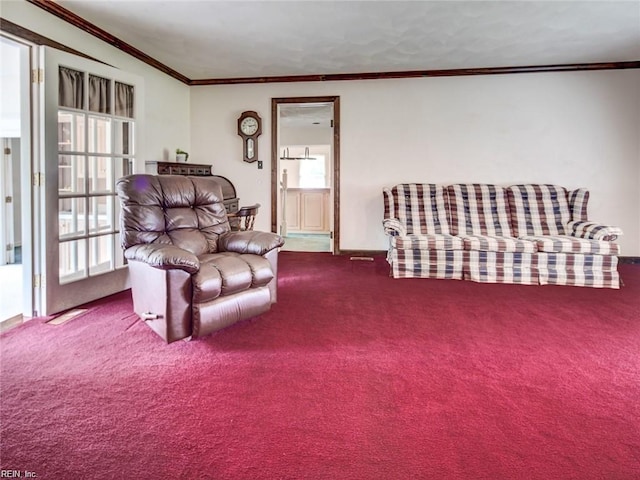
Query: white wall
point(9, 89)
point(166, 102)
point(576, 129)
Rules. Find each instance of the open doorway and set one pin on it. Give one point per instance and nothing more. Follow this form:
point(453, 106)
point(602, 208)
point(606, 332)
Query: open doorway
point(305, 159)
point(16, 298)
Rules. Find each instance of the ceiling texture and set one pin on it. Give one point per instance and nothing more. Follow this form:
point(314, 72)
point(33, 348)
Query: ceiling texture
point(205, 40)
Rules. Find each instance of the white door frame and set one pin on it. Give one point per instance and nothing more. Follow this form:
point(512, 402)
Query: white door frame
point(28, 109)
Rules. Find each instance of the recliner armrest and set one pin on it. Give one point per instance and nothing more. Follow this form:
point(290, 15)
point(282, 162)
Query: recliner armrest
point(249, 241)
point(164, 257)
point(593, 231)
point(394, 227)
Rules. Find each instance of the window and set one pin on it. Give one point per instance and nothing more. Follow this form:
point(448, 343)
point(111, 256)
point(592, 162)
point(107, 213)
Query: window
point(313, 172)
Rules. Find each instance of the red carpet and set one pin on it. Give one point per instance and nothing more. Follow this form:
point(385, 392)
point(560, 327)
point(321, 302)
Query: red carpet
point(352, 375)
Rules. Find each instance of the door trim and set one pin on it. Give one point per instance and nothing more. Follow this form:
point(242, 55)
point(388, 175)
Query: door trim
point(28, 148)
point(335, 187)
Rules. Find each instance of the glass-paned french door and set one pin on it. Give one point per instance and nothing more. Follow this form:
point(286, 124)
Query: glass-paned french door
point(90, 140)
point(95, 147)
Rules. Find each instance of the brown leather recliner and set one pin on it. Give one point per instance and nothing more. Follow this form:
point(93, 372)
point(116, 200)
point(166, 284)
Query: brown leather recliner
point(190, 274)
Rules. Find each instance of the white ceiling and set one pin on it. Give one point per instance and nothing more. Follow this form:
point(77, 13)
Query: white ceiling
point(305, 114)
point(237, 39)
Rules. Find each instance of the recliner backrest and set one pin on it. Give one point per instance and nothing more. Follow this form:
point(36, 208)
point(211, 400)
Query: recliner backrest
point(187, 212)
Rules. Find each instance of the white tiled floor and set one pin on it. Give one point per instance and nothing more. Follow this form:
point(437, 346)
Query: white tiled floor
point(10, 291)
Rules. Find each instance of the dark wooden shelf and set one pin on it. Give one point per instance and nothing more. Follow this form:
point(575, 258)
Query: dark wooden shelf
point(172, 168)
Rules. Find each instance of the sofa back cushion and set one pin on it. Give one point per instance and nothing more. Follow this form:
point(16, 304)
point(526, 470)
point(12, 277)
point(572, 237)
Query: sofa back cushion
point(578, 200)
point(187, 212)
point(421, 207)
point(479, 209)
point(538, 209)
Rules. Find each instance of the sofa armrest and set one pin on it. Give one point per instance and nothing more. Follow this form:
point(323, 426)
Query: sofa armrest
point(594, 231)
point(394, 227)
point(249, 241)
point(164, 257)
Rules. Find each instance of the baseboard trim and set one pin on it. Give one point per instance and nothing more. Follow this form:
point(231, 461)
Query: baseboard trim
point(629, 260)
point(368, 253)
point(362, 253)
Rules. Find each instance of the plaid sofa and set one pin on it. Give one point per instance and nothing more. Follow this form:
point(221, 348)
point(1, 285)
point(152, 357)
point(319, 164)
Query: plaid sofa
point(529, 234)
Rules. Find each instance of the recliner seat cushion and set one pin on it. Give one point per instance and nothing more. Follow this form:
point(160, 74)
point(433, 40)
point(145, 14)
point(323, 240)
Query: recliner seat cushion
point(227, 273)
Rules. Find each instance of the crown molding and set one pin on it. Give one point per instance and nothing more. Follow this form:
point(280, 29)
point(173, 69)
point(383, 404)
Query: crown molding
point(70, 17)
point(79, 22)
point(33, 37)
point(458, 72)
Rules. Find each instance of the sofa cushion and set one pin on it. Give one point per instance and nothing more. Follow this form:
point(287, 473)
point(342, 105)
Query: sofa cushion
point(578, 200)
point(487, 243)
point(479, 210)
point(538, 210)
point(427, 242)
point(568, 244)
point(421, 207)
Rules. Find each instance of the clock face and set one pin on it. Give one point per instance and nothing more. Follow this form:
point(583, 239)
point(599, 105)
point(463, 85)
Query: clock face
point(249, 126)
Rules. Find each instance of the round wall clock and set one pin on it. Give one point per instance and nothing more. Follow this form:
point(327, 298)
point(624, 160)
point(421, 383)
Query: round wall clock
point(249, 128)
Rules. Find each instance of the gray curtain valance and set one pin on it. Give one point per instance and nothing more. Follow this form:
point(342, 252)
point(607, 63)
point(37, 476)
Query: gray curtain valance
point(71, 93)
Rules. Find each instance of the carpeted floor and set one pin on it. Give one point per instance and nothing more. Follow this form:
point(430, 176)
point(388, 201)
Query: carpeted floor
point(352, 375)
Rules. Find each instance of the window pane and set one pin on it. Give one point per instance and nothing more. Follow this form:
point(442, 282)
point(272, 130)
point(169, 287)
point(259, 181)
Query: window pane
point(101, 214)
point(124, 100)
point(122, 167)
point(101, 174)
point(71, 217)
point(99, 94)
point(70, 132)
point(123, 137)
point(99, 135)
point(312, 173)
point(101, 254)
point(120, 260)
point(70, 88)
point(72, 260)
point(71, 174)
